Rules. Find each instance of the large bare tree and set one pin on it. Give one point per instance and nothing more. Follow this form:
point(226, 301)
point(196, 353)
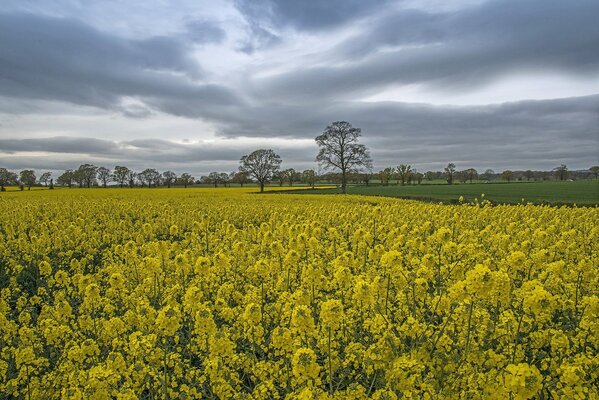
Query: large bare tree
point(339, 149)
point(261, 165)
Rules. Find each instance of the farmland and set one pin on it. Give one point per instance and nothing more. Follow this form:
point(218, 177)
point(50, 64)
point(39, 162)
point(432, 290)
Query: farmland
point(575, 192)
point(189, 293)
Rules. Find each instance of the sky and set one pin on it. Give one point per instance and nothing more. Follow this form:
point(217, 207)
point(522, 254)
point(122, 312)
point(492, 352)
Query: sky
point(193, 85)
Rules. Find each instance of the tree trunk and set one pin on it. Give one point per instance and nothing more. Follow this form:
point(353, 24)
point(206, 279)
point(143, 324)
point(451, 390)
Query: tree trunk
point(343, 181)
point(261, 186)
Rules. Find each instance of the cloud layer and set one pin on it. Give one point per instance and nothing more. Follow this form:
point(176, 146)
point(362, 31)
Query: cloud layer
point(268, 73)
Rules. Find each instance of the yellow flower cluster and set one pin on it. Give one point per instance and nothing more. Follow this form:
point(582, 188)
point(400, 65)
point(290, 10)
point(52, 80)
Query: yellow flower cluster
point(187, 294)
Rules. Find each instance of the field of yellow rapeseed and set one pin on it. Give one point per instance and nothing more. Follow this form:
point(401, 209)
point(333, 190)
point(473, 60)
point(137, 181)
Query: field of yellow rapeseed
point(185, 294)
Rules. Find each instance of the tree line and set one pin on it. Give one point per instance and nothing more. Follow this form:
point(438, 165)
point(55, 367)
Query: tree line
point(340, 154)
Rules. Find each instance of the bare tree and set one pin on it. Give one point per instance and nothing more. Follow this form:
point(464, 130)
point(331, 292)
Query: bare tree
point(261, 165)
point(103, 175)
point(339, 149)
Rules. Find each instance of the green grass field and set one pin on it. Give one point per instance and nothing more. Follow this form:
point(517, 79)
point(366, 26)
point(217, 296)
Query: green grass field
point(577, 192)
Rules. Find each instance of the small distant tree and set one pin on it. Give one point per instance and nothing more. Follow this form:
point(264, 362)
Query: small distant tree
point(103, 175)
point(418, 176)
point(471, 174)
point(169, 178)
point(403, 172)
point(154, 177)
point(386, 175)
point(131, 176)
point(7, 178)
point(561, 172)
point(261, 165)
point(595, 171)
point(213, 178)
point(339, 149)
point(225, 179)
point(186, 179)
point(528, 174)
point(67, 178)
point(450, 173)
point(149, 176)
point(87, 175)
point(240, 177)
point(507, 175)
point(367, 177)
point(429, 175)
point(121, 175)
point(45, 178)
point(488, 174)
point(288, 175)
point(27, 178)
point(309, 177)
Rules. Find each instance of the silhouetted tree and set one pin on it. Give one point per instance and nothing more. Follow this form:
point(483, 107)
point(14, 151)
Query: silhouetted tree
point(7, 178)
point(169, 177)
point(403, 173)
point(121, 175)
point(528, 174)
point(87, 175)
point(507, 175)
point(240, 177)
point(450, 172)
point(309, 177)
point(561, 172)
point(186, 179)
point(595, 171)
point(66, 179)
point(27, 178)
point(103, 175)
point(45, 178)
point(261, 165)
point(131, 176)
point(471, 174)
point(339, 149)
point(289, 175)
point(386, 175)
point(224, 178)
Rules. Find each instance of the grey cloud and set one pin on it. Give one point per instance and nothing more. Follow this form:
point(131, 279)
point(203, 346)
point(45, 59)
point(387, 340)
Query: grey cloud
point(520, 135)
point(203, 31)
point(59, 144)
point(65, 60)
point(307, 14)
point(458, 50)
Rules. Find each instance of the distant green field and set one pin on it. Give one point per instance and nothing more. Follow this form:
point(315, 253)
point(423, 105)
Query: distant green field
point(577, 192)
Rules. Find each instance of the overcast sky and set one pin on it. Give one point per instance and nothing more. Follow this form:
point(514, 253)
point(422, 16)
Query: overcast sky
point(193, 85)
